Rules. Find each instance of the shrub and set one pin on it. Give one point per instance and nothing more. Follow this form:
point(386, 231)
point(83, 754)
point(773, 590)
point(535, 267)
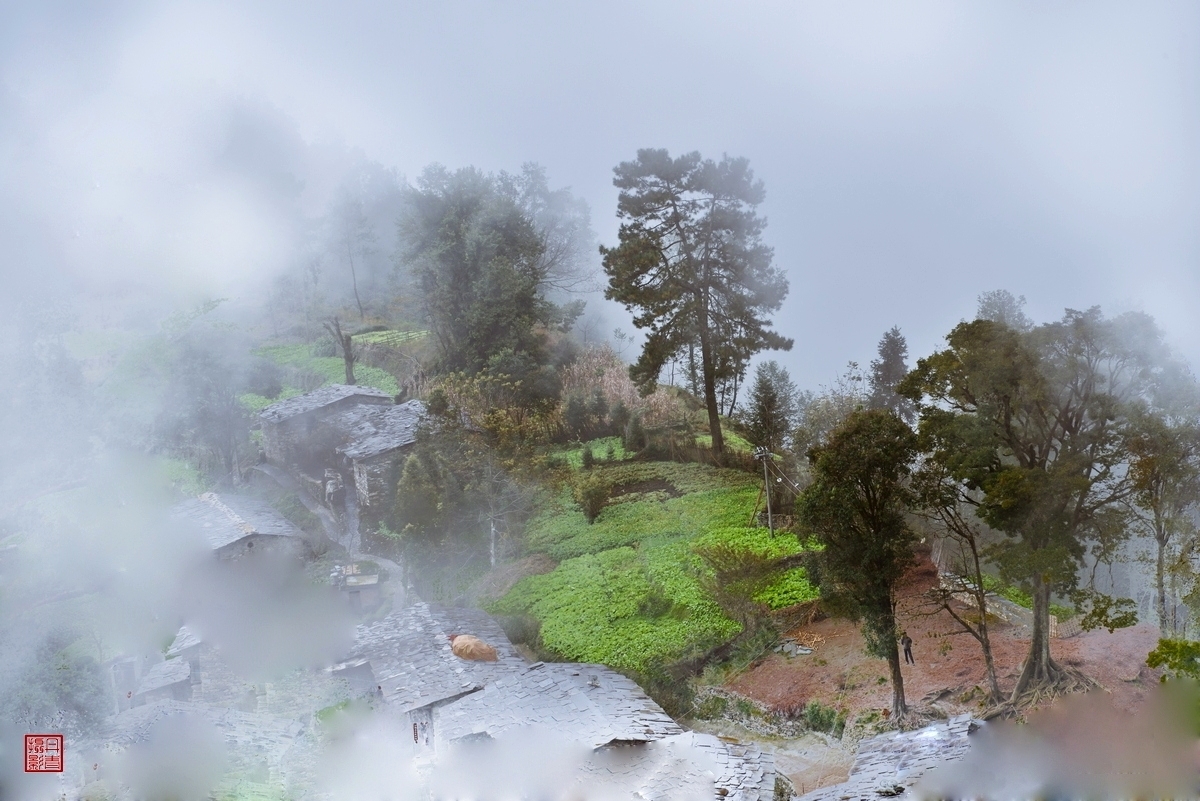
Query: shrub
point(589, 459)
point(824, 718)
point(711, 707)
point(592, 494)
point(634, 438)
point(610, 453)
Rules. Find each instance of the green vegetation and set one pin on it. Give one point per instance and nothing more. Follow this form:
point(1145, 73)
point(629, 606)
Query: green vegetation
point(631, 591)
point(256, 403)
point(573, 456)
point(330, 368)
point(824, 718)
point(391, 339)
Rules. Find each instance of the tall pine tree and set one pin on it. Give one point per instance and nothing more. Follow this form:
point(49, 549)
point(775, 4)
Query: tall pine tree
point(692, 267)
point(889, 370)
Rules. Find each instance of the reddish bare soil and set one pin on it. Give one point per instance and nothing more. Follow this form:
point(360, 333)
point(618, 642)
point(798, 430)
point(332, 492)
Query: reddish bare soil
point(949, 663)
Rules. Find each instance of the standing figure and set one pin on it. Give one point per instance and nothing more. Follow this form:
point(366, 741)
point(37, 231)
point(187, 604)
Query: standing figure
point(906, 643)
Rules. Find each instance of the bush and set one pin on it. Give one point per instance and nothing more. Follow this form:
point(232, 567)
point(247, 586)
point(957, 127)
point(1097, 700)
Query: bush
point(592, 494)
point(588, 459)
point(610, 453)
point(824, 718)
point(634, 438)
point(712, 707)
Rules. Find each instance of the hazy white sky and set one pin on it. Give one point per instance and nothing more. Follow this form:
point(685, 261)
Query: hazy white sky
point(915, 154)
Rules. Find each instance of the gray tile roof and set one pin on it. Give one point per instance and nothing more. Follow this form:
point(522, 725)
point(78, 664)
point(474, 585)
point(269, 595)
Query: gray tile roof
point(898, 759)
point(588, 704)
point(185, 638)
point(410, 655)
point(686, 765)
point(319, 398)
point(225, 519)
point(372, 431)
point(164, 674)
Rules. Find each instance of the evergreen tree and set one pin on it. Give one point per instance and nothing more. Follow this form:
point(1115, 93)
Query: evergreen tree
point(887, 372)
point(770, 411)
point(857, 506)
point(692, 267)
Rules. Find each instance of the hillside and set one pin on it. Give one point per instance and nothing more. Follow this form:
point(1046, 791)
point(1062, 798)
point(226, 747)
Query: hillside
point(630, 589)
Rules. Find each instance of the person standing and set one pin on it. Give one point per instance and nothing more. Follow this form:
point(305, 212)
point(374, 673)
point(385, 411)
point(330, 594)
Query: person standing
point(906, 644)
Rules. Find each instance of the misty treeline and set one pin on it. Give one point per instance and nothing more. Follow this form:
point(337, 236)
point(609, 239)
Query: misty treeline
point(1035, 454)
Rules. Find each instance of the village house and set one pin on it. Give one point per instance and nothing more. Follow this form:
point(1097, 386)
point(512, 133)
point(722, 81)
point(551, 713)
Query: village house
point(235, 526)
point(450, 701)
point(342, 438)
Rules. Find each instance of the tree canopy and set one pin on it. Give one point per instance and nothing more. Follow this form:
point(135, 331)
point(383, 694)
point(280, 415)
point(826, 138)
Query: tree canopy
point(1036, 422)
point(857, 507)
point(692, 267)
point(482, 263)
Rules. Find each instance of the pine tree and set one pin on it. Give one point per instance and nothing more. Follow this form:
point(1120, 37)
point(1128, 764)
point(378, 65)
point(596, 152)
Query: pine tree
point(692, 267)
point(889, 370)
point(770, 411)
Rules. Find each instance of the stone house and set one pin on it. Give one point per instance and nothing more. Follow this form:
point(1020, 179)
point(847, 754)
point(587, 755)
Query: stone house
point(376, 444)
point(235, 526)
point(636, 749)
point(342, 436)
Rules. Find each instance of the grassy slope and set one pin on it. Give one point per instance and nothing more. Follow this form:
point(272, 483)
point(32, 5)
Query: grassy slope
point(630, 591)
point(331, 368)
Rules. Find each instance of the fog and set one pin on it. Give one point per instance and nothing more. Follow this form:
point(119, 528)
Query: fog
point(155, 158)
point(912, 155)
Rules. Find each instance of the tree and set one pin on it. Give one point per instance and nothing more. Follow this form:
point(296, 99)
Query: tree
point(950, 505)
point(355, 240)
point(1001, 307)
point(819, 414)
point(1036, 423)
point(1165, 468)
point(770, 413)
point(477, 262)
point(691, 265)
point(857, 507)
point(886, 374)
point(345, 343)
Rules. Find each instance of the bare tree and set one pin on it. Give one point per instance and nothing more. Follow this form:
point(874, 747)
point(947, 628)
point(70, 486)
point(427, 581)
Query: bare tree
point(948, 505)
point(356, 240)
point(346, 344)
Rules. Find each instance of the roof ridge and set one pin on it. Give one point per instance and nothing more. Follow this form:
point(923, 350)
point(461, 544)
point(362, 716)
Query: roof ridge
point(213, 500)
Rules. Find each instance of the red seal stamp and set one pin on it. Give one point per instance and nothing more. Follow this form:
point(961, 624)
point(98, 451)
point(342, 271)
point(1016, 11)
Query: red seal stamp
point(43, 753)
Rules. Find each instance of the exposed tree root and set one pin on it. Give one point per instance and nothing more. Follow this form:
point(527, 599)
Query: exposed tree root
point(1068, 680)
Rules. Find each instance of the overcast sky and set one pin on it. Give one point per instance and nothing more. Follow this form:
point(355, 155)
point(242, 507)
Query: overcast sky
point(914, 154)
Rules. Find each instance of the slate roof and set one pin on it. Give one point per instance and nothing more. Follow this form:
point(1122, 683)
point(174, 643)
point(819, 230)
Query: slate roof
point(245, 733)
point(897, 760)
point(371, 431)
point(319, 398)
point(410, 654)
point(685, 765)
point(185, 638)
point(225, 519)
point(588, 704)
point(593, 705)
point(164, 674)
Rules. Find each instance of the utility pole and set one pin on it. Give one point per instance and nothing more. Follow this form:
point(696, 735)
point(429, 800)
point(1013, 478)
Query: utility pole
point(762, 455)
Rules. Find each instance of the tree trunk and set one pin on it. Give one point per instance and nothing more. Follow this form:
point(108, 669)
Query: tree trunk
point(1160, 583)
point(708, 362)
point(348, 357)
point(899, 707)
point(1040, 668)
point(981, 633)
